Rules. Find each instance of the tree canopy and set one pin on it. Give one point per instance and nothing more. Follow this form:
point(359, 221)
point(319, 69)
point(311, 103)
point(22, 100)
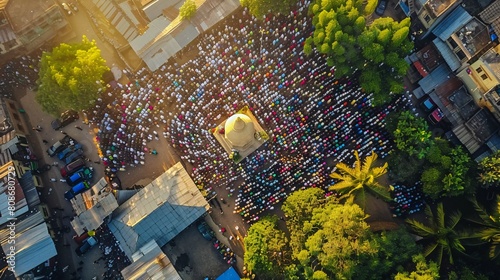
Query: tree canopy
point(188, 9)
point(423, 270)
point(412, 135)
point(265, 252)
point(490, 223)
point(70, 77)
point(376, 50)
point(260, 8)
point(440, 235)
point(489, 168)
point(355, 180)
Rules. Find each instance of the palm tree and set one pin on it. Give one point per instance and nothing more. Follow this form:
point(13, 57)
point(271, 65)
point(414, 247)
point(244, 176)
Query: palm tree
point(354, 180)
point(491, 223)
point(441, 235)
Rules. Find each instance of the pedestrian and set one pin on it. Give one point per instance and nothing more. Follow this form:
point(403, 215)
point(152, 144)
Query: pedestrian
point(45, 141)
point(64, 132)
point(55, 163)
point(79, 128)
point(37, 129)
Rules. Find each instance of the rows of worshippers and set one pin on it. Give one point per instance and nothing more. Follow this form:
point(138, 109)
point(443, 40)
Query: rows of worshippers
point(313, 119)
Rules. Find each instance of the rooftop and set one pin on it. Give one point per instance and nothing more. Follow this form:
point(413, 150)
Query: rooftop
point(429, 57)
point(492, 60)
point(159, 211)
point(474, 36)
point(482, 125)
point(23, 13)
point(149, 262)
point(437, 7)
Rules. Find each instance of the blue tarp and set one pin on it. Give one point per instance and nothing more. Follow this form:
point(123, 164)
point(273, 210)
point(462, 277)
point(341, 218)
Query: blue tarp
point(229, 274)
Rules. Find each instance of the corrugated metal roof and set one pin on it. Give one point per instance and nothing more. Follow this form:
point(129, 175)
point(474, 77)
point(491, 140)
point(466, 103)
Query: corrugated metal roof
point(490, 13)
point(149, 262)
point(154, 28)
point(29, 189)
point(453, 21)
point(435, 78)
point(159, 211)
point(33, 243)
point(448, 55)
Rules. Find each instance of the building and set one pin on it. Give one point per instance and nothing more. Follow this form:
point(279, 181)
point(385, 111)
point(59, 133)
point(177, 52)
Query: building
point(93, 207)
point(26, 25)
point(154, 31)
point(149, 262)
point(13, 202)
point(159, 211)
point(33, 246)
point(240, 134)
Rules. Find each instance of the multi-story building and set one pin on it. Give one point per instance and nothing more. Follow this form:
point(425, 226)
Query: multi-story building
point(26, 25)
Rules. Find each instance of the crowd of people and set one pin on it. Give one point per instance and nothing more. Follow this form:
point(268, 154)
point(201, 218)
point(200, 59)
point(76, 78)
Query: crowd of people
point(314, 120)
point(406, 200)
point(113, 257)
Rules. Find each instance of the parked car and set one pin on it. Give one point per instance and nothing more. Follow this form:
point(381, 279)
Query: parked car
point(428, 105)
point(84, 175)
point(66, 152)
point(87, 171)
point(66, 118)
point(382, 4)
point(87, 244)
point(206, 231)
point(66, 8)
point(77, 189)
point(74, 155)
point(59, 146)
point(72, 167)
point(80, 238)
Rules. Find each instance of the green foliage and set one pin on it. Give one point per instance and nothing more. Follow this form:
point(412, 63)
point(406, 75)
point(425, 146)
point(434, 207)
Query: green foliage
point(355, 180)
point(368, 46)
point(490, 223)
point(188, 9)
point(260, 8)
point(489, 169)
point(340, 239)
point(465, 273)
point(404, 168)
point(423, 270)
point(412, 135)
point(70, 77)
point(396, 249)
point(440, 236)
point(298, 209)
point(266, 248)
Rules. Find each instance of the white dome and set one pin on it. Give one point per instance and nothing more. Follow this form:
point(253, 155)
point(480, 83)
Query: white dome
point(239, 130)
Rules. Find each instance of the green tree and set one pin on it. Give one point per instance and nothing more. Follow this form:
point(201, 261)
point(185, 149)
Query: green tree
point(377, 50)
point(423, 270)
point(266, 249)
point(412, 135)
point(260, 8)
point(355, 180)
point(70, 77)
point(489, 169)
point(491, 227)
point(298, 208)
point(188, 9)
point(396, 249)
point(441, 236)
point(338, 238)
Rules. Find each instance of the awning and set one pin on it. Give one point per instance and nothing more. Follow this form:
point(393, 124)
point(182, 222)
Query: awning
point(420, 68)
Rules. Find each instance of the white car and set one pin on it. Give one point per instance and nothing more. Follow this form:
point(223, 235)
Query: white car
point(67, 8)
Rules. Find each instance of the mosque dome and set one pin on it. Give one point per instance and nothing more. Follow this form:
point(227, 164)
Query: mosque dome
point(239, 130)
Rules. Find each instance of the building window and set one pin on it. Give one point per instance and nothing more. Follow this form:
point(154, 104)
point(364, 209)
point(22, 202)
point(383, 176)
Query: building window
point(484, 77)
point(461, 55)
point(479, 70)
point(452, 43)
